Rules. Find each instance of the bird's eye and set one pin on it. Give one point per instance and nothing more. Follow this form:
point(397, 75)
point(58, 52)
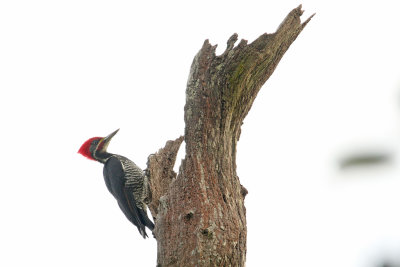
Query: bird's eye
point(95, 142)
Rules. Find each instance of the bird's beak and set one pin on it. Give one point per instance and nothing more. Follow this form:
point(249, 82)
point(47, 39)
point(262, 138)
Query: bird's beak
point(106, 140)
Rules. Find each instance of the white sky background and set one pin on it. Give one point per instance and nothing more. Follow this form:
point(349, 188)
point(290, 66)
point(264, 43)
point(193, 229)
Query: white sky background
point(71, 70)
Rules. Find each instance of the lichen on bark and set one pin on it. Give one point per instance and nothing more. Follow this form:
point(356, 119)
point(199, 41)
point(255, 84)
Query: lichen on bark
point(199, 214)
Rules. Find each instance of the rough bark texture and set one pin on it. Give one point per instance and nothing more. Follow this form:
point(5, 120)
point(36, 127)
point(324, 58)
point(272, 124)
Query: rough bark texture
point(200, 215)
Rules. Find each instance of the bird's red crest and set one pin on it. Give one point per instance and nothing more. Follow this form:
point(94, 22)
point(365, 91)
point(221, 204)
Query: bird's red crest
point(84, 150)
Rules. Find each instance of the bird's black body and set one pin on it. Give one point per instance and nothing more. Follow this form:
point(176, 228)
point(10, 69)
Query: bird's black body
point(125, 181)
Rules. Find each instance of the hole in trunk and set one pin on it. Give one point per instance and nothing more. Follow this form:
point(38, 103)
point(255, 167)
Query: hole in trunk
point(188, 216)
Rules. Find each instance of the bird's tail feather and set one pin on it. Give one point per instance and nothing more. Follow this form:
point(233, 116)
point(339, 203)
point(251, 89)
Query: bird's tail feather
point(142, 231)
point(145, 220)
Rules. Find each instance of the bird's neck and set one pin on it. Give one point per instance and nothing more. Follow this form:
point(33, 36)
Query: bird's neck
point(102, 156)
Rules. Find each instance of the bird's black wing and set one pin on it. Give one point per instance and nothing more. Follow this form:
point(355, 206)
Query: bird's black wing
point(134, 191)
point(115, 178)
point(135, 211)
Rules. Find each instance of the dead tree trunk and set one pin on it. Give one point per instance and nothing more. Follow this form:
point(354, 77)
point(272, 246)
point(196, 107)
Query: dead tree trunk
point(199, 214)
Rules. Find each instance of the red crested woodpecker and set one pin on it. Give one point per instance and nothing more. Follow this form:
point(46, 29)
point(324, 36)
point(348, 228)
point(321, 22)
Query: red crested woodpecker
point(124, 180)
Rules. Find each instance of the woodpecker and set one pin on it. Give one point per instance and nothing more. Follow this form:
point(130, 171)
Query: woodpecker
point(124, 180)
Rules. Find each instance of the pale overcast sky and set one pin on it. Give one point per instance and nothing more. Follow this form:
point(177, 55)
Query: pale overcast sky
point(70, 70)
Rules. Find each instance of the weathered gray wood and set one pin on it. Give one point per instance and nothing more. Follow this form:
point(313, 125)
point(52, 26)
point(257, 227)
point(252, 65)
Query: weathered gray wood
point(200, 214)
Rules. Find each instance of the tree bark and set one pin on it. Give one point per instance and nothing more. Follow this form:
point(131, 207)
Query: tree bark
point(199, 214)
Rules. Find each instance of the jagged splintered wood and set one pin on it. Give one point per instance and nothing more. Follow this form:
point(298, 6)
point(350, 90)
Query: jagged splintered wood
point(199, 214)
